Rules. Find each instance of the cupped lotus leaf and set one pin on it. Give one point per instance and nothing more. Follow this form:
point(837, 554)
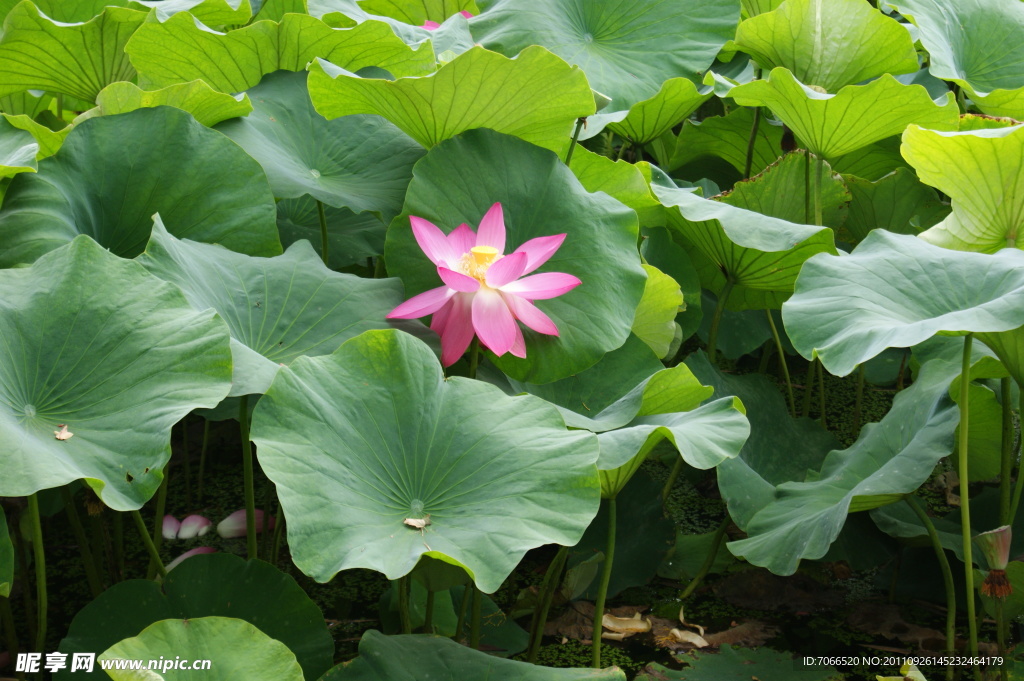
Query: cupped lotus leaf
point(872, 162)
point(778, 191)
point(535, 96)
point(278, 308)
point(898, 202)
point(655, 320)
point(896, 290)
point(613, 40)
point(413, 656)
point(660, 250)
point(649, 119)
point(76, 59)
point(351, 467)
point(6, 558)
point(212, 12)
point(49, 141)
point(985, 432)
point(234, 649)
point(18, 150)
point(460, 179)
point(153, 161)
point(619, 179)
point(274, 10)
point(416, 12)
point(78, 356)
point(779, 449)
point(727, 137)
point(889, 459)
point(982, 171)
point(211, 585)
point(179, 51)
point(351, 237)
point(303, 153)
point(975, 44)
point(759, 254)
point(857, 115)
point(206, 105)
point(739, 664)
point(828, 43)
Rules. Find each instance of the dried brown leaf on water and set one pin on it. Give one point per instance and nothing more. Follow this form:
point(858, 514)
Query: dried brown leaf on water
point(63, 433)
point(748, 634)
point(624, 627)
point(578, 620)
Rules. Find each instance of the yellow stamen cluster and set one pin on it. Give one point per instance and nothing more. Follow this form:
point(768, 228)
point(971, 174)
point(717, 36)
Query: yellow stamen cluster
point(478, 261)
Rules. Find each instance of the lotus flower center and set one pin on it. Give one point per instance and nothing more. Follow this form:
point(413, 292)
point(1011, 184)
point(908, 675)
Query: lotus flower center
point(478, 261)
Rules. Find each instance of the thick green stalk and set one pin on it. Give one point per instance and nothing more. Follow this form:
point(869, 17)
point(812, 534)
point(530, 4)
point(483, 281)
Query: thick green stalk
point(247, 474)
point(673, 475)
point(154, 554)
point(580, 122)
point(40, 558)
point(602, 591)
point(278, 533)
point(474, 356)
point(88, 560)
point(1006, 468)
point(1000, 637)
point(817, 190)
point(158, 520)
point(766, 354)
point(475, 622)
point(807, 187)
point(548, 587)
point(323, 231)
point(965, 502)
point(716, 320)
point(402, 585)
point(428, 616)
point(202, 460)
point(460, 623)
point(748, 166)
point(947, 580)
point(709, 560)
point(622, 150)
point(783, 364)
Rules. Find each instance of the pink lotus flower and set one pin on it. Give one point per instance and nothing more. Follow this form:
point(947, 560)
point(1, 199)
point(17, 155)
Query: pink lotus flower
point(170, 527)
point(234, 524)
point(188, 554)
point(433, 25)
point(483, 292)
point(194, 526)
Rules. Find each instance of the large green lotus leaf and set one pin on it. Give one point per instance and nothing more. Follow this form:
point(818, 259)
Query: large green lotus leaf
point(857, 115)
point(96, 343)
point(872, 162)
point(535, 96)
point(210, 585)
point(351, 466)
point(206, 105)
point(779, 449)
point(648, 120)
point(6, 558)
point(975, 44)
point(613, 40)
point(152, 161)
point(982, 171)
point(49, 141)
point(359, 162)
point(739, 664)
point(985, 437)
point(416, 12)
point(900, 521)
point(898, 202)
point(212, 12)
point(18, 150)
point(1009, 347)
point(619, 179)
point(352, 237)
point(76, 59)
point(896, 290)
point(277, 309)
point(778, 191)
point(828, 43)
point(727, 137)
point(179, 50)
point(762, 255)
point(414, 657)
point(655, 320)
point(889, 459)
point(459, 180)
point(234, 648)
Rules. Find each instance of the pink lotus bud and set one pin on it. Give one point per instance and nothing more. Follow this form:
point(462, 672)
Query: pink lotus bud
point(171, 526)
point(234, 524)
point(188, 554)
point(194, 526)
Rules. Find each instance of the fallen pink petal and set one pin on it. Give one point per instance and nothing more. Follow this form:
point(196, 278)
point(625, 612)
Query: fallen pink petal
point(485, 293)
point(234, 524)
point(194, 526)
point(188, 554)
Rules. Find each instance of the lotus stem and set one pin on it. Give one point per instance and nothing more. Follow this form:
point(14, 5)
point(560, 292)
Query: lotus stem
point(622, 149)
point(323, 231)
point(10, 635)
point(202, 460)
point(460, 623)
point(552, 579)
point(88, 560)
point(474, 356)
point(602, 591)
point(475, 619)
point(748, 166)
point(278, 530)
point(60, 107)
point(817, 190)
point(1000, 637)
point(247, 472)
point(40, 560)
point(783, 364)
point(402, 585)
point(716, 319)
point(965, 502)
point(154, 554)
point(673, 475)
point(580, 122)
point(709, 560)
point(186, 461)
point(766, 354)
point(821, 392)
point(118, 558)
point(158, 519)
point(428, 615)
point(809, 386)
point(947, 580)
point(899, 376)
point(1006, 468)
point(860, 400)
point(268, 503)
point(807, 186)
point(379, 268)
